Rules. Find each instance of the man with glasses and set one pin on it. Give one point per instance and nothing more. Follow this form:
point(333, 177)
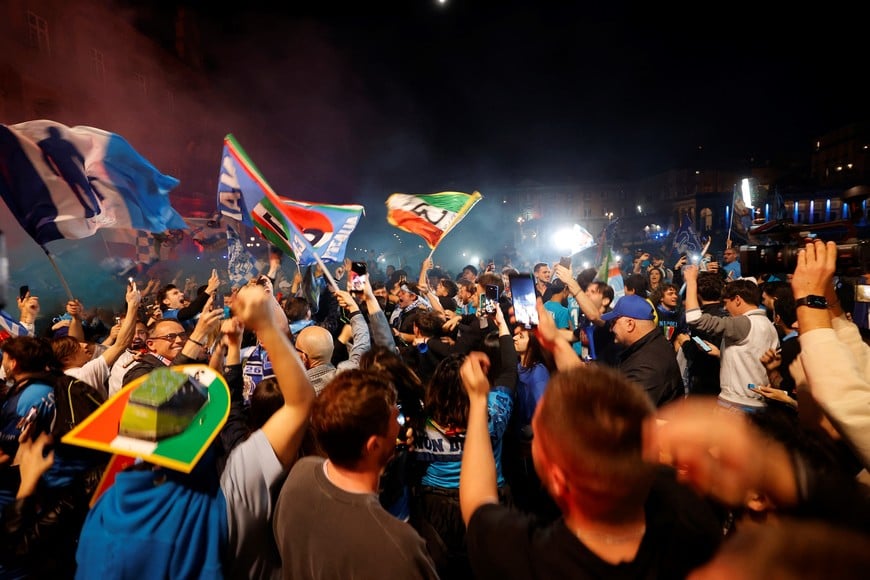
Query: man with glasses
point(168, 343)
point(731, 268)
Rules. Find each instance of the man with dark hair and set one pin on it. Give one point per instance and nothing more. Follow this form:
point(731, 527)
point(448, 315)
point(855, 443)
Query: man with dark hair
point(542, 274)
point(636, 284)
point(618, 511)
point(778, 299)
point(409, 302)
point(446, 290)
point(704, 365)
point(333, 501)
point(469, 273)
point(26, 361)
point(745, 335)
point(593, 332)
point(467, 297)
point(672, 318)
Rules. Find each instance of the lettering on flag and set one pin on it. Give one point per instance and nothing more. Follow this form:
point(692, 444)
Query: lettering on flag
point(430, 216)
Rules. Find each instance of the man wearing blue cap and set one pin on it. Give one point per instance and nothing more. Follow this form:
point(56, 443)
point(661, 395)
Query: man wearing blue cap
point(648, 359)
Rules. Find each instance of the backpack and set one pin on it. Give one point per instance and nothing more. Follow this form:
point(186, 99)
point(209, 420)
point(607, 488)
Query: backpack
point(74, 400)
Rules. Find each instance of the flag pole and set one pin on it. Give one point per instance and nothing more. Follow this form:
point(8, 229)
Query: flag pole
point(59, 274)
point(731, 223)
point(326, 272)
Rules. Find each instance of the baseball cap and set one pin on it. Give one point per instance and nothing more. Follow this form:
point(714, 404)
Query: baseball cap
point(632, 306)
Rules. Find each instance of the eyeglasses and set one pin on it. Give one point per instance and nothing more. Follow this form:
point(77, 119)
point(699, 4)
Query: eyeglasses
point(300, 351)
point(171, 336)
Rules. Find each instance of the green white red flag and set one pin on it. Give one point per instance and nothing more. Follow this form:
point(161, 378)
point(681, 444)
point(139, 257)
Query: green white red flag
point(429, 215)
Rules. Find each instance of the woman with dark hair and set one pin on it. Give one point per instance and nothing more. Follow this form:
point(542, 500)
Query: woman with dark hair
point(396, 479)
point(534, 367)
point(438, 447)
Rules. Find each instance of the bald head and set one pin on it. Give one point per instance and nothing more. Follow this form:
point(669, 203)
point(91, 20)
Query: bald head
point(315, 343)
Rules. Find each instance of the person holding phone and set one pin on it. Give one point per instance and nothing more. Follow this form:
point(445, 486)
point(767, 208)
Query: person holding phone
point(28, 307)
point(703, 364)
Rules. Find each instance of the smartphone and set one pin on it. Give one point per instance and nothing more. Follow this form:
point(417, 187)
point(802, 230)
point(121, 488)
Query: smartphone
point(27, 419)
point(485, 306)
point(23, 291)
point(700, 342)
point(492, 292)
point(522, 288)
point(359, 268)
point(862, 293)
point(565, 261)
point(217, 301)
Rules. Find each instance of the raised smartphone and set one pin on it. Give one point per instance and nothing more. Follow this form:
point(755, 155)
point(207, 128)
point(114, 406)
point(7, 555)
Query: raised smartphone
point(524, 299)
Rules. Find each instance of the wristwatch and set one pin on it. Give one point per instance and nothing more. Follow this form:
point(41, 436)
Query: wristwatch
point(812, 301)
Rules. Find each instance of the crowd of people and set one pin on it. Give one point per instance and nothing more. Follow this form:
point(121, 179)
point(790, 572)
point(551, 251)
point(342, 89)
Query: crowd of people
point(708, 423)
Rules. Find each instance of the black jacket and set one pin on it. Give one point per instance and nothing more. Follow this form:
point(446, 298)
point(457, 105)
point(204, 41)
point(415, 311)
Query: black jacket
point(652, 363)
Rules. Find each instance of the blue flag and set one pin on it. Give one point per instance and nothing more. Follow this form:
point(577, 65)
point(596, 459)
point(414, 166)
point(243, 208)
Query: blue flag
point(298, 228)
point(67, 182)
point(686, 240)
point(241, 265)
point(240, 185)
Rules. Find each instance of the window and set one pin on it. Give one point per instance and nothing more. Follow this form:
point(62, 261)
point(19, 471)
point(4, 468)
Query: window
point(706, 219)
point(98, 65)
point(37, 33)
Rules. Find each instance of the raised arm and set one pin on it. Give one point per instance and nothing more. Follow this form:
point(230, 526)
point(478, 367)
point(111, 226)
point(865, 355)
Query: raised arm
point(361, 340)
point(586, 306)
point(837, 377)
point(381, 333)
point(286, 427)
point(128, 326)
point(477, 477)
point(552, 340)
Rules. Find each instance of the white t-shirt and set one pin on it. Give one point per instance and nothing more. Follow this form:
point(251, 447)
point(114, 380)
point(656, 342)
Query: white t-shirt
point(95, 373)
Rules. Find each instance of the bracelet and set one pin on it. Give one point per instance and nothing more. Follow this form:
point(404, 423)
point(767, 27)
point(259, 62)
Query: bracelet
point(196, 342)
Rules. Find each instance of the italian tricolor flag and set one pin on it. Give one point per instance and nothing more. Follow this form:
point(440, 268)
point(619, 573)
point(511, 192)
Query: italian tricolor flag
point(429, 215)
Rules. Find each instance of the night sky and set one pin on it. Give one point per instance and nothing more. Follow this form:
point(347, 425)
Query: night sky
point(471, 92)
point(363, 99)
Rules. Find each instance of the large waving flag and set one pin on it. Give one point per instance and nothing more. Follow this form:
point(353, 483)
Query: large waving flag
point(240, 185)
point(326, 227)
point(686, 240)
point(300, 229)
point(429, 215)
point(67, 182)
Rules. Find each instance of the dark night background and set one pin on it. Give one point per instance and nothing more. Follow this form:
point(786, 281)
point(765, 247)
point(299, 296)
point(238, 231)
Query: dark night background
point(348, 102)
point(470, 92)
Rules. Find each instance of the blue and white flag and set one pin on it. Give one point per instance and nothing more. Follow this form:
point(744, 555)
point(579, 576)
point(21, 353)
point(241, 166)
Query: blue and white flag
point(67, 182)
point(241, 265)
point(240, 185)
point(10, 328)
point(686, 240)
